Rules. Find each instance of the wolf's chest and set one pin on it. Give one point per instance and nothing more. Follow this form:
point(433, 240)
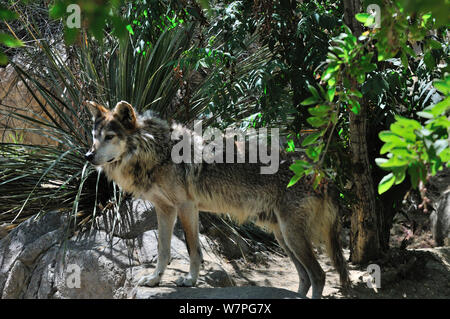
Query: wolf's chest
point(128, 181)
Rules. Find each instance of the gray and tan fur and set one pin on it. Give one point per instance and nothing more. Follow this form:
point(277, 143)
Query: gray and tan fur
point(135, 152)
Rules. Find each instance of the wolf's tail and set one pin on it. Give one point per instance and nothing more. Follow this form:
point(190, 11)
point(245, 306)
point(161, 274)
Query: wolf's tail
point(326, 228)
point(334, 250)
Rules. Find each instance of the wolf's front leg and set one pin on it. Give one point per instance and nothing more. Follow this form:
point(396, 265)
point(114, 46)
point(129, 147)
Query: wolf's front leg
point(188, 214)
point(166, 221)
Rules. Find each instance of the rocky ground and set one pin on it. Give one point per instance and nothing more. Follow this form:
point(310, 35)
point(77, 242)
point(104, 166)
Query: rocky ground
point(33, 264)
point(417, 273)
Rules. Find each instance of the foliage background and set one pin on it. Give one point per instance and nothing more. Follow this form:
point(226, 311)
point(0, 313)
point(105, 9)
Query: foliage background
point(263, 63)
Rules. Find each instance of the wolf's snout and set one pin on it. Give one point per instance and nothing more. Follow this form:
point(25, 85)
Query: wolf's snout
point(89, 156)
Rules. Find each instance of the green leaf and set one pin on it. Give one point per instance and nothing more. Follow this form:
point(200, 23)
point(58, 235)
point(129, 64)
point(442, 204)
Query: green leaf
point(6, 14)
point(380, 161)
point(319, 110)
point(434, 44)
point(356, 93)
point(330, 93)
point(361, 77)
point(70, 35)
point(362, 17)
point(406, 132)
point(299, 167)
point(313, 152)
point(317, 121)
point(370, 21)
point(443, 85)
point(3, 59)
point(404, 59)
point(445, 156)
point(387, 147)
point(408, 122)
point(312, 138)
point(355, 106)
point(414, 174)
point(393, 162)
point(313, 91)
point(318, 178)
point(309, 101)
point(10, 41)
point(331, 69)
point(441, 121)
point(96, 26)
point(439, 108)
point(57, 10)
point(130, 29)
point(120, 27)
point(386, 183)
point(429, 60)
point(291, 146)
point(400, 175)
point(425, 114)
point(294, 180)
point(440, 146)
point(388, 136)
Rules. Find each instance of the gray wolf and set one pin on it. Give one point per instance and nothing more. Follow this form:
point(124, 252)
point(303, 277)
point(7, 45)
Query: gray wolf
point(135, 152)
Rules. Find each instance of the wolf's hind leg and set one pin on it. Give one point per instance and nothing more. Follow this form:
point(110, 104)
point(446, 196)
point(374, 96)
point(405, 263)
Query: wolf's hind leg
point(304, 282)
point(188, 214)
point(166, 221)
point(301, 246)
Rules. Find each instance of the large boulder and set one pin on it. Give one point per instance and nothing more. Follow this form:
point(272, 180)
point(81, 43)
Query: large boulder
point(36, 261)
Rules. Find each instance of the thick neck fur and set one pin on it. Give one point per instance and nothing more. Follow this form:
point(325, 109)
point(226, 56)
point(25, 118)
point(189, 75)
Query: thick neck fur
point(147, 147)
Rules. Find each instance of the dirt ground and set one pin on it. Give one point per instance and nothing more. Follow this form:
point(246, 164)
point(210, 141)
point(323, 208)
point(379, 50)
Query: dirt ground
point(412, 268)
point(412, 273)
point(421, 273)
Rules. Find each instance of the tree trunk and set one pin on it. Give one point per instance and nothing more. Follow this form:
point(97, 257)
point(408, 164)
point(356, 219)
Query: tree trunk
point(365, 240)
point(364, 237)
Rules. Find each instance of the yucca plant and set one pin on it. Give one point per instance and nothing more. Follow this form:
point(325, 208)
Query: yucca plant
point(35, 179)
point(38, 178)
point(146, 79)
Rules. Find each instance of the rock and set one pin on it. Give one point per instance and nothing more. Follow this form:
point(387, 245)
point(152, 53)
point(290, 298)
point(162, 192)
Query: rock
point(34, 264)
point(149, 251)
point(440, 220)
point(216, 276)
point(23, 243)
point(137, 216)
point(92, 264)
point(16, 281)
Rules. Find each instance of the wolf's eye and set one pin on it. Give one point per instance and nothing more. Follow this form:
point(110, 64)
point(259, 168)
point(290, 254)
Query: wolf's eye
point(109, 137)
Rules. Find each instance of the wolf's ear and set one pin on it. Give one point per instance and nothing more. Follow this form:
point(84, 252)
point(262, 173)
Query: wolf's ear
point(96, 109)
point(125, 114)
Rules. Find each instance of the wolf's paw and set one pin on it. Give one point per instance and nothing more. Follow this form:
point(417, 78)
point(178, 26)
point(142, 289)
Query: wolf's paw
point(150, 280)
point(187, 281)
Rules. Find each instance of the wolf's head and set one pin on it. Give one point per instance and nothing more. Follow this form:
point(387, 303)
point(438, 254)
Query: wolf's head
point(110, 131)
